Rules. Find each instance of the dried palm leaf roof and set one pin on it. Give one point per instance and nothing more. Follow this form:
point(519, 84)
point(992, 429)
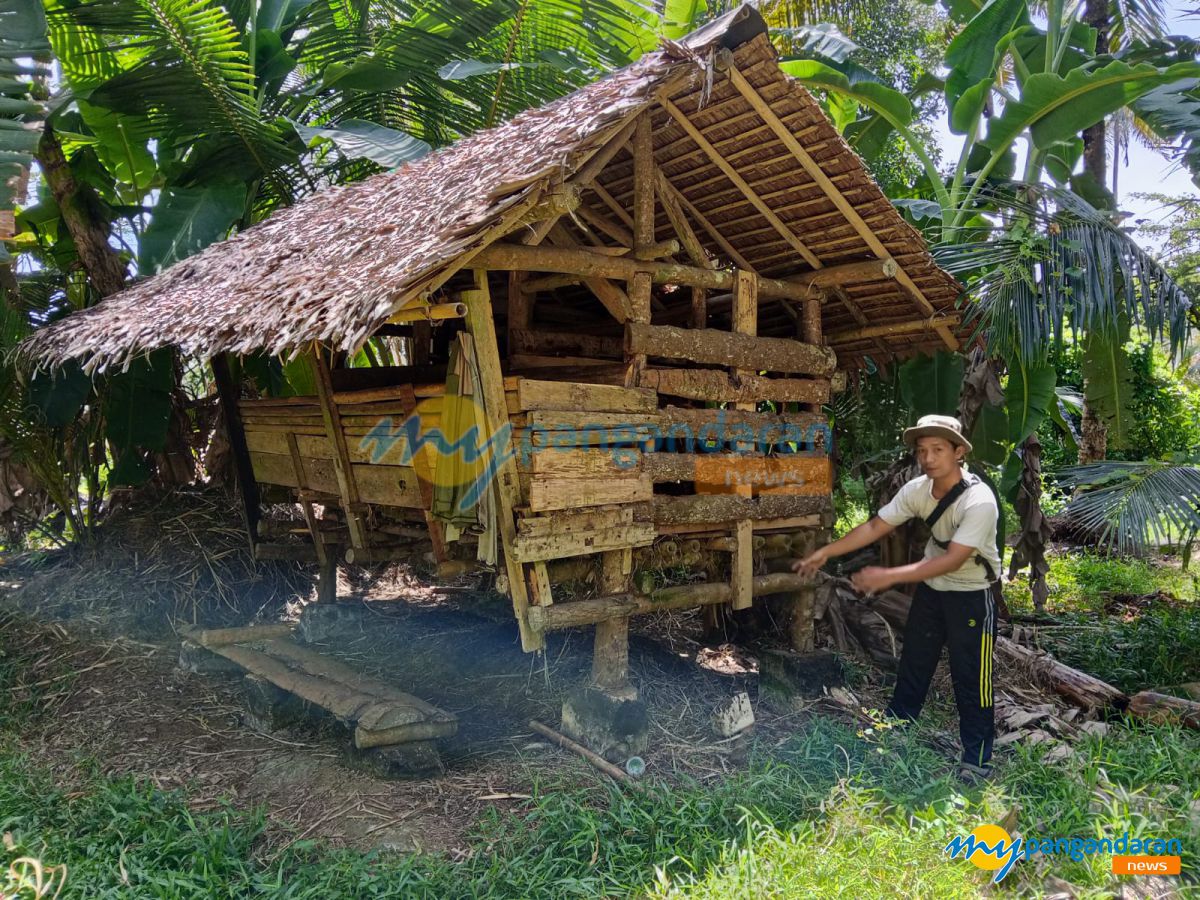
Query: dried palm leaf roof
point(338, 263)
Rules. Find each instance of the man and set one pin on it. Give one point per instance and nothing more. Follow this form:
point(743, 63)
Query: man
point(953, 604)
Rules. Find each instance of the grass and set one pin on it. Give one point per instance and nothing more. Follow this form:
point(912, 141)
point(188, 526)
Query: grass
point(831, 813)
point(1106, 631)
point(834, 811)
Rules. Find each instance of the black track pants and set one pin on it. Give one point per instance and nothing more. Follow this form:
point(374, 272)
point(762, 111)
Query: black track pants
point(966, 621)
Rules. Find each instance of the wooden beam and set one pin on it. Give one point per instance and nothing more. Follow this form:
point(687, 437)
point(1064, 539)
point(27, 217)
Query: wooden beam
point(615, 300)
point(347, 486)
point(611, 202)
point(310, 516)
point(857, 314)
point(502, 226)
point(720, 387)
point(482, 326)
point(683, 229)
point(565, 395)
point(950, 320)
point(745, 323)
point(586, 263)
point(587, 173)
point(715, 233)
point(732, 174)
point(614, 230)
point(711, 346)
point(725, 508)
point(600, 609)
point(640, 285)
point(526, 340)
point(747, 90)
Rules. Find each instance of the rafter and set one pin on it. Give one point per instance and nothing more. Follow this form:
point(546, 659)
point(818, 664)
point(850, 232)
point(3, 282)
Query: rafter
point(732, 174)
point(747, 90)
point(713, 232)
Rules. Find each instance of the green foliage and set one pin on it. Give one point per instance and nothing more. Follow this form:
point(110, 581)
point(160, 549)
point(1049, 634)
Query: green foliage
point(1114, 624)
point(930, 384)
point(188, 219)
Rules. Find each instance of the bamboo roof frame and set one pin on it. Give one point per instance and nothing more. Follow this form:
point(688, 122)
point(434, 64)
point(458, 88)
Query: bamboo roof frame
point(339, 264)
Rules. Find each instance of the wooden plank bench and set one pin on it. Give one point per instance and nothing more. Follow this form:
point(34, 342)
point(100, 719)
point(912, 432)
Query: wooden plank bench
point(379, 714)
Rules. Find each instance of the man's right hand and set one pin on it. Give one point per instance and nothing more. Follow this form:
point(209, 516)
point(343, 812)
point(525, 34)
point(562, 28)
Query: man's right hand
point(812, 563)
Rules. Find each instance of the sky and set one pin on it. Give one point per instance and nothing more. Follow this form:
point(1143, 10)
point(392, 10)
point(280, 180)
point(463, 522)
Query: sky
point(1146, 171)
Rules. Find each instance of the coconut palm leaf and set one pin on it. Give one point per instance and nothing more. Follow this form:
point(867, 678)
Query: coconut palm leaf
point(1073, 265)
point(1135, 506)
point(185, 67)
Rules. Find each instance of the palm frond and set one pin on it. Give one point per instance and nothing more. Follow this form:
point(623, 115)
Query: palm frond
point(1072, 264)
point(1135, 506)
point(184, 66)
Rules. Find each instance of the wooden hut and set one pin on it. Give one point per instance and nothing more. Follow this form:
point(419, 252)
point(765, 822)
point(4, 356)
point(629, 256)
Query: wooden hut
point(685, 248)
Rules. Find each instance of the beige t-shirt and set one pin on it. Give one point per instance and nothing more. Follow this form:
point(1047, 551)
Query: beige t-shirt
point(970, 521)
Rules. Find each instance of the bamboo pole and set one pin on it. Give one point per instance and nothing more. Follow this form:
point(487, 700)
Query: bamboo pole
point(435, 313)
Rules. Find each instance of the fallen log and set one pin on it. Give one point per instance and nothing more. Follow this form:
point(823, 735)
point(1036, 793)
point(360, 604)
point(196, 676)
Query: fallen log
point(1076, 687)
point(211, 638)
point(1163, 709)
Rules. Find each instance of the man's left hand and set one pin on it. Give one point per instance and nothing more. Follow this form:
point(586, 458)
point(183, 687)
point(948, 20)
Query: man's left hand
point(872, 579)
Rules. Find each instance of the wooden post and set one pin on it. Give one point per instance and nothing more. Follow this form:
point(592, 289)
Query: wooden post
point(243, 471)
point(482, 326)
point(342, 466)
point(699, 317)
point(310, 518)
point(610, 652)
point(640, 285)
point(520, 306)
point(745, 321)
point(327, 577)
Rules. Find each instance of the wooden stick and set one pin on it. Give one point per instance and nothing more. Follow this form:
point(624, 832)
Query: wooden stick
point(870, 331)
point(436, 312)
point(594, 758)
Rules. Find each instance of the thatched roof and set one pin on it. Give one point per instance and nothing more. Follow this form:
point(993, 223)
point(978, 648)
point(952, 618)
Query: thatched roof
point(334, 266)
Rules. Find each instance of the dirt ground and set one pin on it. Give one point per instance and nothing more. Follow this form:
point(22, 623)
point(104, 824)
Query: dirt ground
point(101, 624)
